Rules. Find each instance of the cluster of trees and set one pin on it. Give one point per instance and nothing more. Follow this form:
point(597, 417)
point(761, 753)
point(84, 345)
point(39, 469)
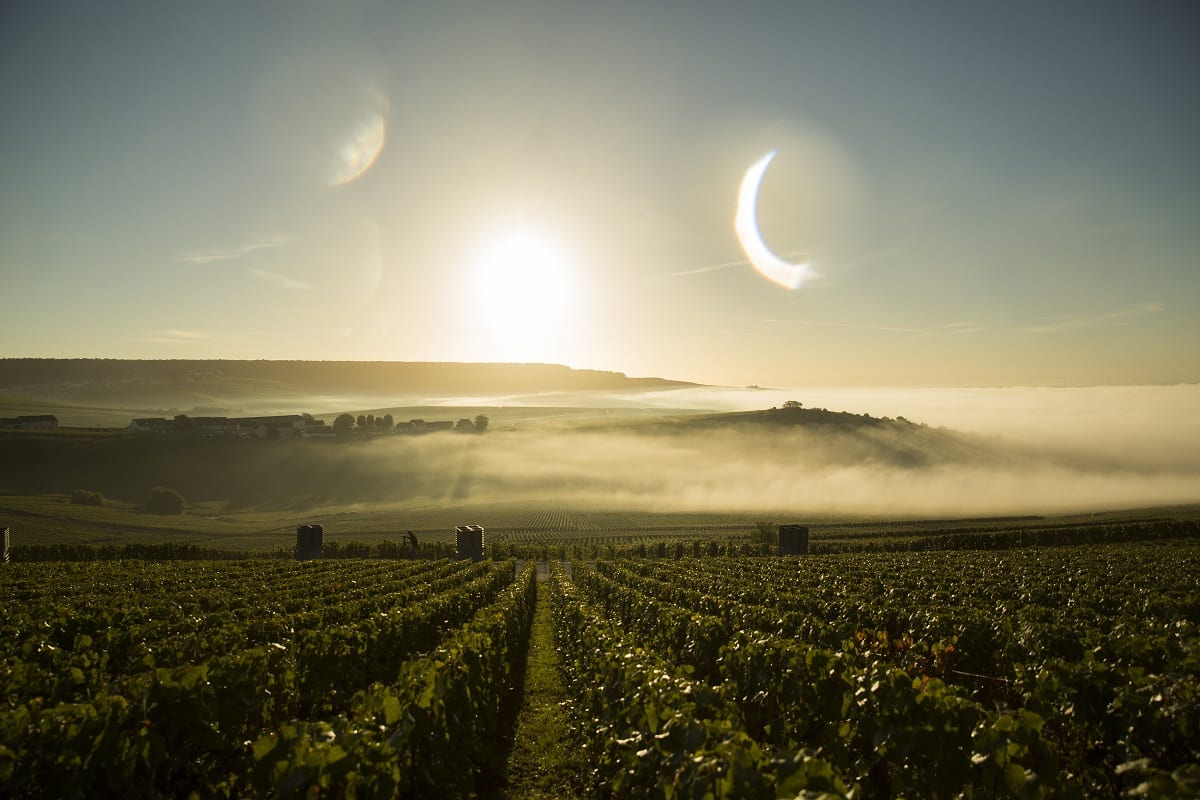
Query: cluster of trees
point(766, 532)
point(386, 422)
point(346, 424)
point(166, 551)
point(163, 500)
point(87, 497)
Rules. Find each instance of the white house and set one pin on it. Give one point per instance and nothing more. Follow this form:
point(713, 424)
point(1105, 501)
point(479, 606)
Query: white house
point(152, 425)
point(39, 421)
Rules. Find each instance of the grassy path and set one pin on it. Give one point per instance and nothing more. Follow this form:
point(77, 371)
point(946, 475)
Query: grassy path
point(543, 764)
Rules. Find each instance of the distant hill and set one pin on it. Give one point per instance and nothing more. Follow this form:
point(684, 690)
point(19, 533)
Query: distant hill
point(216, 383)
point(813, 418)
point(841, 437)
point(817, 419)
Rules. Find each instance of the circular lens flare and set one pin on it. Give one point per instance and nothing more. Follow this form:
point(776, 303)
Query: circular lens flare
point(358, 151)
point(745, 223)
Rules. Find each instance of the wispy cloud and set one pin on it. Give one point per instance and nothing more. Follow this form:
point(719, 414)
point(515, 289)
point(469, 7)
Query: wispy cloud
point(809, 323)
point(223, 341)
point(841, 266)
point(1121, 316)
point(264, 242)
point(741, 262)
point(174, 337)
point(955, 329)
point(701, 270)
point(279, 280)
point(950, 329)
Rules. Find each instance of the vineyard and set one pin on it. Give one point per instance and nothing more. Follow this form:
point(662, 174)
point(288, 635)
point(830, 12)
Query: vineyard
point(128, 679)
point(1064, 672)
point(1028, 673)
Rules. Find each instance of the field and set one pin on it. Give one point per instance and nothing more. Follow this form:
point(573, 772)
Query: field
point(522, 529)
point(633, 632)
point(164, 680)
point(1029, 673)
point(1014, 672)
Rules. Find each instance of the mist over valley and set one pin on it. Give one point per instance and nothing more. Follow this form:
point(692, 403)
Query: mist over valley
point(649, 445)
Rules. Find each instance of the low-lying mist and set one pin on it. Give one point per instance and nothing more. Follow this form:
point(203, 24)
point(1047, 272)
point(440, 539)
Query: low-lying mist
point(894, 469)
point(1153, 425)
point(1001, 452)
point(1009, 451)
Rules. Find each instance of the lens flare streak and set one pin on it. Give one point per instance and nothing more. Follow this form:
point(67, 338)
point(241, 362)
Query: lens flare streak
point(359, 150)
point(769, 265)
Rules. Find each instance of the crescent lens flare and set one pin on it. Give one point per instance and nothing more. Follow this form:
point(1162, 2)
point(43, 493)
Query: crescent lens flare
point(358, 150)
point(745, 223)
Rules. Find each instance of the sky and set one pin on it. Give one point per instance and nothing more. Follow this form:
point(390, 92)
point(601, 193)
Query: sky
point(984, 194)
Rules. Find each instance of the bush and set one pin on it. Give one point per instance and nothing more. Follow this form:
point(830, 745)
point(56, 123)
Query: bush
point(86, 497)
point(164, 501)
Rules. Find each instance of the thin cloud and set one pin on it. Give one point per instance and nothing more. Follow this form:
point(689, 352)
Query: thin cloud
point(702, 270)
point(229, 254)
point(811, 323)
point(1118, 317)
point(741, 262)
point(955, 329)
point(950, 329)
point(808, 323)
point(174, 337)
point(279, 280)
point(813, 274)
point(225, 340)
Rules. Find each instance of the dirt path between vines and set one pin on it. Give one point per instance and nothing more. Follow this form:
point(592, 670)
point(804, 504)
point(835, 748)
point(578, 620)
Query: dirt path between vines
point(543, 764)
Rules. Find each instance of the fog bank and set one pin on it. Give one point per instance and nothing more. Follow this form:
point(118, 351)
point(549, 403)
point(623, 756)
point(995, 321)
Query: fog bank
point(1150, 426)
point(902, 470)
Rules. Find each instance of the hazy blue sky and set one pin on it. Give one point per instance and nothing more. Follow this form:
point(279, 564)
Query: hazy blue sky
point(989, 193)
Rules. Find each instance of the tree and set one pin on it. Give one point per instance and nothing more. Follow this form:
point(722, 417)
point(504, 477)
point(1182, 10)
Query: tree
point(481, 423)
point(164, 501)
point(343, 425)
point(362, 421)
point(792, 404)
point(370, 420)
point(388, 422)
point(766, 532)
point(86, 497)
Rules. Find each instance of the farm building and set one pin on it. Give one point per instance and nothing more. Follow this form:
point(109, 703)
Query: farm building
point(468, 541)
point(152, 425)
point(310, 541)
point(47, 422)
point(793, 540)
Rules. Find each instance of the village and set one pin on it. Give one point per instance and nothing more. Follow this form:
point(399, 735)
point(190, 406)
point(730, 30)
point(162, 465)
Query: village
point(33, 422)
point(283, 426)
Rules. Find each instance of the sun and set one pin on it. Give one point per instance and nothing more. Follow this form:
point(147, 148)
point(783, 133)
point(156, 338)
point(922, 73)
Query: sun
point(523, 291)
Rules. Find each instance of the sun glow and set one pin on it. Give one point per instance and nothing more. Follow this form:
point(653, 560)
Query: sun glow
point(523, 291)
